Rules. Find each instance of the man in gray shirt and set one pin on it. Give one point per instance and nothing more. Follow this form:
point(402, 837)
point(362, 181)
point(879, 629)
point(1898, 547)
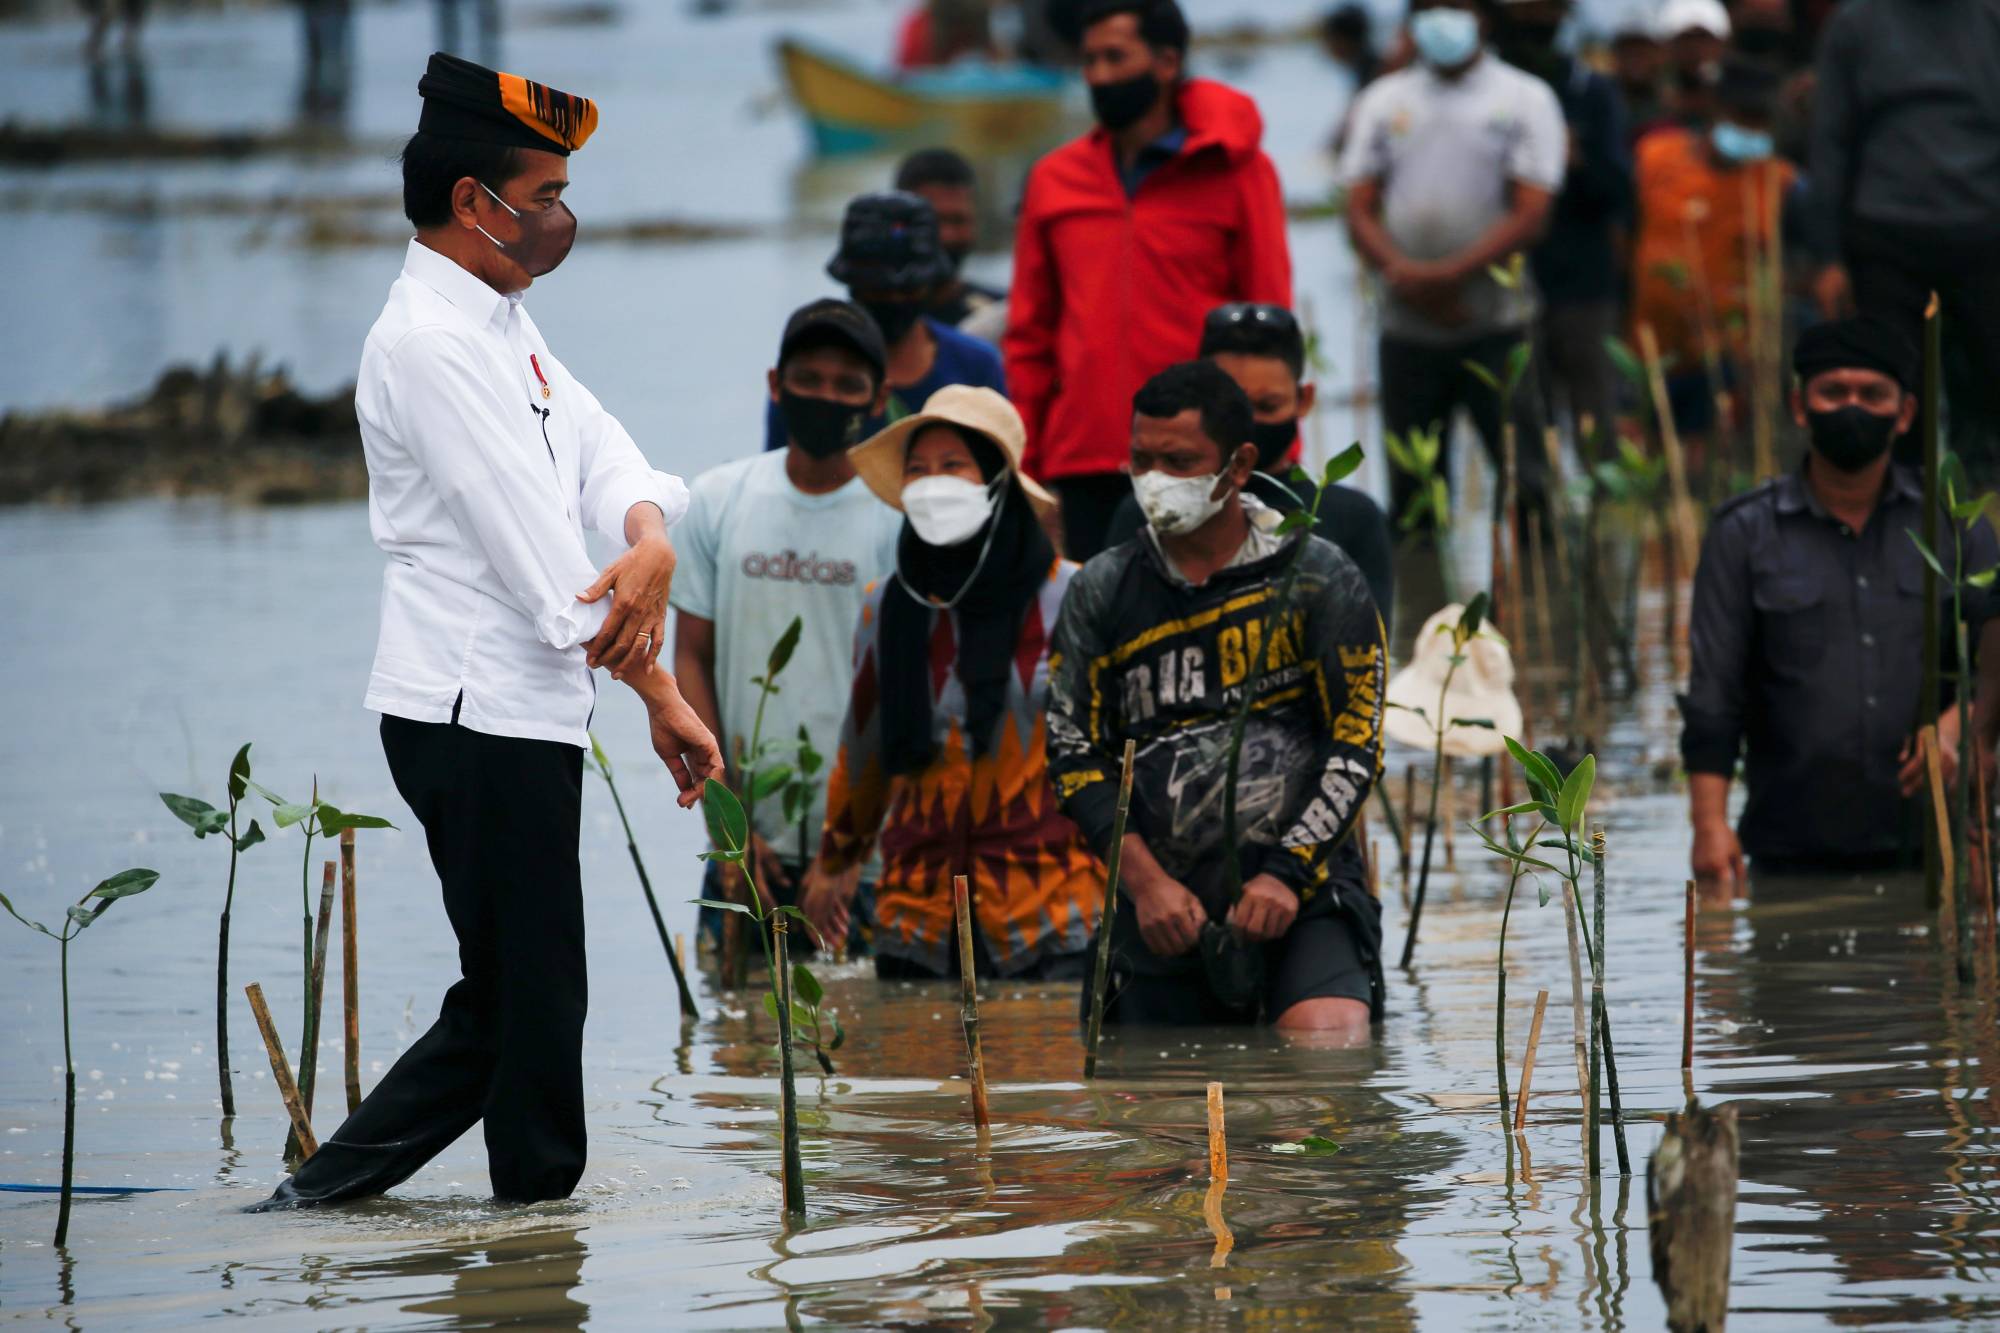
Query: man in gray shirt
point(1906, 187)
point(1451, 166)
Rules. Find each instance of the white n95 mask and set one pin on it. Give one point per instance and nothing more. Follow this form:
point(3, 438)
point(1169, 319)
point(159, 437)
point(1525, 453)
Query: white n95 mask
point(948, 511)
point(1174, 505)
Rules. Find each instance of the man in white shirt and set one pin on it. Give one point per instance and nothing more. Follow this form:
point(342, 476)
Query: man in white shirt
point(791, 533)
point(486, 461)
point(1451, 166)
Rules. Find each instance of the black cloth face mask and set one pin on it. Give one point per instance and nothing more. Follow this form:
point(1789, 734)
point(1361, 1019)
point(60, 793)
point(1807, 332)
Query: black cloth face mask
point(1274, 439)
point(820, 426)
point(546, 236)
point(1118, 105)
point(894, 318)
point(1851, 437)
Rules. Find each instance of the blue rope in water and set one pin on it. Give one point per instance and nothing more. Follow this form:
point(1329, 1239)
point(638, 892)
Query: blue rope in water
point(97, 1189)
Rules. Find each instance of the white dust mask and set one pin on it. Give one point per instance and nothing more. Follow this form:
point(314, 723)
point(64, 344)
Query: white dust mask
point(1174, 505)
point(947, 511)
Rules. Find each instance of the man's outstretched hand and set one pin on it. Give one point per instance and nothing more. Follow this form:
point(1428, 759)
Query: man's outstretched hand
point(686, 746)
point(638, 583)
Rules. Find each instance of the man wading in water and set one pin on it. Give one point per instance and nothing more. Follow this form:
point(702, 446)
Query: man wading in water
point(486, 461)
point(1154, 644)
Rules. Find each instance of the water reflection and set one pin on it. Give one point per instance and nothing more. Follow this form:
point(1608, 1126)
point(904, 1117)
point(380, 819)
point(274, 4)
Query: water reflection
point(524, 1280)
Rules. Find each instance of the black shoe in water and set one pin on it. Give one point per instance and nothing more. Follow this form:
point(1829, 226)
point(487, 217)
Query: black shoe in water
point(283, 1199)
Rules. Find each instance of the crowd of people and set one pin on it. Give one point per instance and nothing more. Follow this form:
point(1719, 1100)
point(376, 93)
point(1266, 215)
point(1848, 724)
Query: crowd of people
point(1013, 563)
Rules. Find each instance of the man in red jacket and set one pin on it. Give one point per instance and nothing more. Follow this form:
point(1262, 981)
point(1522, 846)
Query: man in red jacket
point(1127, 237)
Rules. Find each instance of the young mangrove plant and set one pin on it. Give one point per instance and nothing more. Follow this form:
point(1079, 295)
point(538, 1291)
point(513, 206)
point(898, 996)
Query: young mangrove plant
point(1462, 633)
point(1506, 559)
point(1964, 508)
point(602, 763)
point(761, 773)
point(205, 819)
point(79, 918)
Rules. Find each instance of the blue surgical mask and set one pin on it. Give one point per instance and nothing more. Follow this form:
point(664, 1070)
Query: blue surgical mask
point(1733, 143)
point(1446, 38)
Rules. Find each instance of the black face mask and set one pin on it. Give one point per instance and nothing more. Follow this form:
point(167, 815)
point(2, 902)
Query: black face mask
point(1121, 104)
point(1850, 438)
point(820, 426)
point(894, 318)
point(1274, 439)
point(957, 258)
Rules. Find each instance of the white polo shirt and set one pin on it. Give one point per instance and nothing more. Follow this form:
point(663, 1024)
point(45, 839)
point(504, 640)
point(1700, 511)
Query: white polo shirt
point(486, 461)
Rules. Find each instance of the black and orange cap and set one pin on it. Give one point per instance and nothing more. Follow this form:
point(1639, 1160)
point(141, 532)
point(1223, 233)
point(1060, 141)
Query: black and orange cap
point(467, 101)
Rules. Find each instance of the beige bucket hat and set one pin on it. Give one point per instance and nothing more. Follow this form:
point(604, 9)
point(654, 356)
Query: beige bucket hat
point(879, 459)
point(1482, 688)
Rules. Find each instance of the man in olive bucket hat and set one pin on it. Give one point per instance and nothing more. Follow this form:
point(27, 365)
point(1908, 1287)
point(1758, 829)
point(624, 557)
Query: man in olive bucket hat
point(487, 460)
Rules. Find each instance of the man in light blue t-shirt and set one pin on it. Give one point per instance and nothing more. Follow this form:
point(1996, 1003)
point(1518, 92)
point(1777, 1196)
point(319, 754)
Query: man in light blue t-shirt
point(790, 533)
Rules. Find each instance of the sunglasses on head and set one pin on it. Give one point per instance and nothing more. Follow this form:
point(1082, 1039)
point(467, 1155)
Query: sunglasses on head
point(1257, 314)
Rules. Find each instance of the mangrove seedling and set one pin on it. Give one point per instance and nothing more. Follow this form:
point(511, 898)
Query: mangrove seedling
point(205, 819)
point(1964, 508)
point(798, 794)
point(761, 774)
point(1416, 456)
point(602, 763)
point(1505, 386)
point(1462, 633)
point(80, 917)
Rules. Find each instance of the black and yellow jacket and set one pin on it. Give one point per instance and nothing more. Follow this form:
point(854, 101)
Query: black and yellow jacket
point(1140, 654)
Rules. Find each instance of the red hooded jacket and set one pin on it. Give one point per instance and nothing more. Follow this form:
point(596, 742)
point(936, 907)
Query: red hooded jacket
point(1109, 290)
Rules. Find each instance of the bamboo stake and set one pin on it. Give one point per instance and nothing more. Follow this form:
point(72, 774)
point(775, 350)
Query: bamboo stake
point(1579, 1025)
point(1528, 1062)
point(1449, 816)
point(1928, 705)
point(1102, 971)
point(1218, 1142)
point(969, 1005)
point(788, 1103)
point(315, 994)
point(1948, 923)
point(681, 951)
point(1681, 529)
point(1687, 985)
point(350, 971)
point(281, 1071)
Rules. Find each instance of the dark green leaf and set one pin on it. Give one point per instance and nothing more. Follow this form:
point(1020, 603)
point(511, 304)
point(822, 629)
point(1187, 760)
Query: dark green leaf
point(807, 985)
point(1628, 364)
point(1517, 364)
point(1541, 893)
point(1576, 792)
point(239, 773)
point(1474, 614)
point(1483, 375)
point(1951, 473)
point(125, 883)
point(333, 821)
point(250, 838)
point(1964, 511)
point(771, 1006)
point(782, 650)
point(83, 916)
point(1317, 1146)
point(721, 906)
point(839, 1033)
point(198, 815)
point(1485, 722)
point(728, 830)
point(1342, 465)
point(768, 779)
point(31, 925)
point(1292, 522)
point(264, 792)
point(1925, 552)
point(1524, 808)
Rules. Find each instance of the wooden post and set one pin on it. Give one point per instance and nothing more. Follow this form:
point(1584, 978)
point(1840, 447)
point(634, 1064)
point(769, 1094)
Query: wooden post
point(1449, 815)
point(1579, 1024)
point(1218, 1143)
point(1927, 741)
point(788, 1104)
point(1681, 528)
point(1691, 1215)
point(1687, 984)
point(1528, 1063)
point(681, 951)
point(969, 1004)
point(281, 1071)
point(1936, 875)
point(1102, 970)
point(350, 971)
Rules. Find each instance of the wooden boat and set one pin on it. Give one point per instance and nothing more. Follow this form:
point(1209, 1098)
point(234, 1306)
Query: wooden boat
point(990, 108)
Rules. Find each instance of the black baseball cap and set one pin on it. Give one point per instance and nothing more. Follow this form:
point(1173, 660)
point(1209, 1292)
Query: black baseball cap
point(1864, 342)
point(889, 241)
point(831, 320)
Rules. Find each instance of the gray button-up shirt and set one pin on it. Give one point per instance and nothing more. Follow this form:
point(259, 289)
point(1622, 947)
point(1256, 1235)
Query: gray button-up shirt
point(1807, 659)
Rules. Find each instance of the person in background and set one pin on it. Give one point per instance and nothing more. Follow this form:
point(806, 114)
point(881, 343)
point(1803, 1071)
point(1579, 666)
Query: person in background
point(1806, 631)
point(893, 263)
point(1694, 37)
point(1155, 645)
point(1346, 35)
point(942, 178)
point(1451, 167)
point(938, 32)
point(1637, 67)
point(1126, 238)
point(1766, 31)
point(1576, 264)
point(1905, 171)
point(1701, 192)
point(788, 533)
point(492, 617)
point(1262, 348)
point(943, 755)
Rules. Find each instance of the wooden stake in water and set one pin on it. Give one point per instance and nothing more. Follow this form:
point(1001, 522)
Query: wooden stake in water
point(350, 972)
point(1579, 1024)
point(969, 1004)
point(1680, 526)
point(1218, 1143)
point(281, 1071)
point(1691, 1215)
point(788, 1102)
point(1927, 741)
point(1101, 972)
point(1528, 1062)
point(1687, 985)
point(315, 994)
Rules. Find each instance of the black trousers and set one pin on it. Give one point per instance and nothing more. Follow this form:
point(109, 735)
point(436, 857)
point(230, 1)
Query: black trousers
point(1422, 383)
point(1088, 502)
point(501, 816)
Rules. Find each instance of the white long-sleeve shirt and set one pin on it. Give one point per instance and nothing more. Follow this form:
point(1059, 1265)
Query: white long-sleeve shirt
point(479, 488)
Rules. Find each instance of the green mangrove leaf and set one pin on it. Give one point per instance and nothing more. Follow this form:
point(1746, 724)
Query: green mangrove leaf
point(768, 779)
point(264, 792)
point(597, 753)
point(250, 838)
point(1628, 364)
point(788, 910)
point(289, 813)
point(1483, 722)
point(771, 1005)
point(1984, 578)
point(31, 925)
point(1292, 522)
point(1483, 375)
point(1517, 364)
point(239, 774)
point(1951, 474)
point(1318, 1146)
point(839, 1033)
point(1925, 552)
point(728, 830)
point(1475, 614)
point(1342, 465)
point(1576, 792)
point(729, 858)
point(1964, 511)
point(83, 916)
point(807, 985)
point(782, 650)
point(333, 820)
point(1541, 892)
point(1524, 808)
point(721, 906)
point(198, 815)
point(124, 884)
